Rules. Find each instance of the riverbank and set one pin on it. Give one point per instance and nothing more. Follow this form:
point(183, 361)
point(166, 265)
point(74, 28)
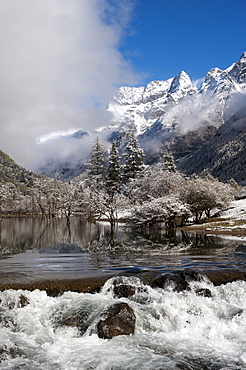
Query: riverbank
point(57, 287)
point(231, 222)
point(219, 227)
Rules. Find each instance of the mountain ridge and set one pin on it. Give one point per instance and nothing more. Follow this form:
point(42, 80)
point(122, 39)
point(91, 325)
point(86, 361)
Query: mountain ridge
point(174, 114)
point(159, 97)
point(179, 116)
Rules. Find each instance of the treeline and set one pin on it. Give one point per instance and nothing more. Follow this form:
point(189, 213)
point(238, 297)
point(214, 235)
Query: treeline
point(115, 187)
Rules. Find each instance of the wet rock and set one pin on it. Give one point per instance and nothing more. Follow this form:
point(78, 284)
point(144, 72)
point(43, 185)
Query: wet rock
point(75, 321)
point(224, 276)
point(191, 275)
point(124, 290)
point(54, 292)
point(11, 352)
point(175, 281)
point(119, 319)
point(23, 301)
point(204, 292)
point(71, 321)
point(179, 281)
point(20, 302)
point(130, 287)
point(81, 318)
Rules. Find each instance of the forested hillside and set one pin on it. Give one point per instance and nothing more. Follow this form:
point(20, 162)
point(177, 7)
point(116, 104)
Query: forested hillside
point(224, 156)
point(25, 192)
point(115, 186)
point(10, 171)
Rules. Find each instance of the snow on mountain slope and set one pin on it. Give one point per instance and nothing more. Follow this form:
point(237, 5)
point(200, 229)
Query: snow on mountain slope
point(173, 114)
point(138, 108)
point(237, 71)
point(224, 155)
point(177, 104)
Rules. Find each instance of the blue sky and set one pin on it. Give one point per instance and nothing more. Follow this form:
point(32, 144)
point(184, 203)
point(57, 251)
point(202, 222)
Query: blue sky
point(167, 36)
point(62, 60)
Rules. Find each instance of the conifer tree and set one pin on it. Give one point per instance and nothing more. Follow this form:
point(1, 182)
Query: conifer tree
point(113, 178)
point(97, 165)
point(168, 160)
point(133, 156)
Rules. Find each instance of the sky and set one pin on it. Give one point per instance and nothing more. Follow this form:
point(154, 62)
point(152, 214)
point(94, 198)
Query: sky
point(189, 35)
point(62, 60)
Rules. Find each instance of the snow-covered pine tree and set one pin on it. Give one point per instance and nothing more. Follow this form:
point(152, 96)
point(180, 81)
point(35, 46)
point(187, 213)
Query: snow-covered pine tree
point(113, 178)
point(96, 171)
point(133, 156)
point(168, 162)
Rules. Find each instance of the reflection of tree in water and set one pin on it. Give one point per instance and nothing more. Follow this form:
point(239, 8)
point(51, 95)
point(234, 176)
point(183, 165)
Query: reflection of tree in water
point(203, 242)
point(170, 239)
point(18, 235)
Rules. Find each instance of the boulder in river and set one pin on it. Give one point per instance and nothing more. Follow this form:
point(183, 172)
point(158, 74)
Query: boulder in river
point(23, 301)
point(179, 281)
point(127, 287)
point(130, 287)
point(124, 290)
point(173, 280)
point(204, 292)
point(9, 352)
point(118, 319)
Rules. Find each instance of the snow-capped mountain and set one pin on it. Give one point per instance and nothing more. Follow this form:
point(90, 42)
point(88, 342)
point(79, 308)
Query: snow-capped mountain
point(140, 107)
point(174, 115)
point(164, 111)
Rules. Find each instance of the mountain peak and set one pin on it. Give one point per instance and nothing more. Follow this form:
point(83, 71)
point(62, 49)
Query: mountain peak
point(243, 56)
point(181, 86)
point(182, 77)
point(213, 74)
point(237, 71)
point(183, 74)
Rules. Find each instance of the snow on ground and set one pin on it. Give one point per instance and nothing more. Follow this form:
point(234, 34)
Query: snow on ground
point(231, 222)
point(236, 210)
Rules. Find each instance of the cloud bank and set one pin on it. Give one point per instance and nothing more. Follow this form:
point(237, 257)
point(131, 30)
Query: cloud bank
point(60, 64)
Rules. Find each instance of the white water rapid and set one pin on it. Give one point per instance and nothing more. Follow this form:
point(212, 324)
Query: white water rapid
point(173, 330)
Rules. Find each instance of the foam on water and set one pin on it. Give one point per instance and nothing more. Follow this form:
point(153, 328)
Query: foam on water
point(173, 330)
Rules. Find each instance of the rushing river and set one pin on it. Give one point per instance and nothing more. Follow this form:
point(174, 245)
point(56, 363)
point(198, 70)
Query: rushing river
point(174, 330)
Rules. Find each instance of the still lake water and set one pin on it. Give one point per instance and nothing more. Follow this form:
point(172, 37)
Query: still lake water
point(173, 330)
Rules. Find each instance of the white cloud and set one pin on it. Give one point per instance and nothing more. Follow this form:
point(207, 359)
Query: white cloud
point(198, 82)
point(60, 64)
